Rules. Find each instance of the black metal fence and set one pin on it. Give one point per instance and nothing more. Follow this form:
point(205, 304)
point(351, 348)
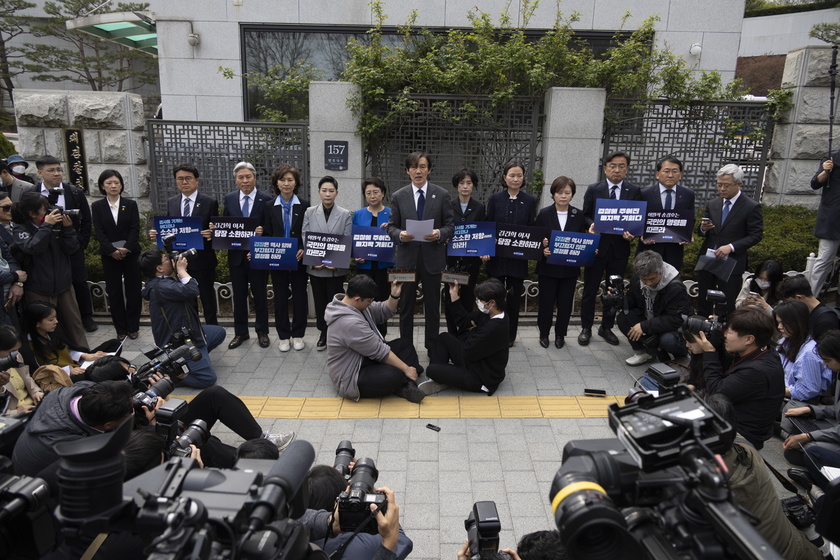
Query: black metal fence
point(460, 132)
point(215, 148)
point(704, 137)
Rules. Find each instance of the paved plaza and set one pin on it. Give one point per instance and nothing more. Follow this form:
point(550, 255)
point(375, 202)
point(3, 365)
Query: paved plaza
point(437, 476)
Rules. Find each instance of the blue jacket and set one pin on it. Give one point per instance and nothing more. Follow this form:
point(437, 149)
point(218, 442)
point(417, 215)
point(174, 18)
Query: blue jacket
point(363, 217)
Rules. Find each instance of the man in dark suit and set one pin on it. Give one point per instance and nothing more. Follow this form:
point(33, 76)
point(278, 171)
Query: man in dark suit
point(49, 169)
point(613, 250)
point(827, 226)
point(244, 203)
point(421, 200)
point(203, 265)
point(668, 195)
point(731, 224)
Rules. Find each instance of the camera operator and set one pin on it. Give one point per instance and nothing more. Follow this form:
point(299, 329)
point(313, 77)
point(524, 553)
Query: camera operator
point(755, 382)
point(17, 388)
point(656, 303)
point(172, 306)
point(696, 380)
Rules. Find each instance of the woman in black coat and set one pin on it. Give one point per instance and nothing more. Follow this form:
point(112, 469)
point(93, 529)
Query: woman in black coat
point(116, 224)
point(557, 282)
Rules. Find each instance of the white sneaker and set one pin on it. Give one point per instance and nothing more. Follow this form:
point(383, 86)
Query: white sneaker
point(284, 345)
point(638, 359)
point(282, 441)
point(430, 387)
point(298, 343)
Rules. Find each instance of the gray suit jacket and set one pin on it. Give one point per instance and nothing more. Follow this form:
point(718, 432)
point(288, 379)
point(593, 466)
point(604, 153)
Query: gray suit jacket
point(438, 207)
point(17, 188)
point(341, 223)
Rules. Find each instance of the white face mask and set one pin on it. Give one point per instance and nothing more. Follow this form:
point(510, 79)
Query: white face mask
point(481, 307)
point(763, 284)
point(18, 168)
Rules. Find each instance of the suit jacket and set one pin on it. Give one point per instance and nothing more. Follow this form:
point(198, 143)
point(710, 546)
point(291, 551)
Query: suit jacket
point(126, 228)
point(576, 222)
point(672, 253)
point(340, 223)
point(236, 257)
point(438, 207)
point(17, 188)
point(827, 225)
point(611, 246)
point(744, 227)
point(274, 226)
point(205, 207)
point(76, 199)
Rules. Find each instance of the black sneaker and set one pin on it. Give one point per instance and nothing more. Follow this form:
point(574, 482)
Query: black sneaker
point(322, 342)
point(411, 392)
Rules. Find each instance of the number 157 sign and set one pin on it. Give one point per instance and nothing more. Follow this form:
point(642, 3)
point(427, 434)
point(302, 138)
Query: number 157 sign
point(335, 155)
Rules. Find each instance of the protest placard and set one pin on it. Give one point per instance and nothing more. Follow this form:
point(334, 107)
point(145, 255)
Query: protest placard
point(618, 216)
point(472, 239)
point(186, 229)
point(233, 233)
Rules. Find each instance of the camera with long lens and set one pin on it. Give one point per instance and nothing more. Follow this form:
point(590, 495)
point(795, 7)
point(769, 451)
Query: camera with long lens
point(613, 296)
point(483, 526)
point(194, 434)
point(148, 398)
point(170, 360)
point(169, 244)
point(354, 504)
point(52, 197)
point(344, 455)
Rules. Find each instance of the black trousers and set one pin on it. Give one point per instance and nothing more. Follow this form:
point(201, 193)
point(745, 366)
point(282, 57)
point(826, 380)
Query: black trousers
point(324, 288)
point(670, 342)
point(707, 281)
point(447, 347)
point(80, 285)
point(431, 305)
point(282, 281)
point(241, 277)
point(559, 293)
point(379, 380)
point(123, 281)
point(592, 276)
point(515, 289)
point(207, 292)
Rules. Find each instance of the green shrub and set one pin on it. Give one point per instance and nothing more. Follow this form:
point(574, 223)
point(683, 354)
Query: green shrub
point(6, 147)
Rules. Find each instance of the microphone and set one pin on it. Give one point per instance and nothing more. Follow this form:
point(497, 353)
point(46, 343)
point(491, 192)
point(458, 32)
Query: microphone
point(282, 483)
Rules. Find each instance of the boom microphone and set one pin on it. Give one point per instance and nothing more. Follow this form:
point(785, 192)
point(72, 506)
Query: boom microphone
point(282, 483)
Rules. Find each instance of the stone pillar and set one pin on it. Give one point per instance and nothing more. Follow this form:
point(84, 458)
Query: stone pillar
point(113, 129)
point(574, 122)
point(330, 119)
point(800, 139)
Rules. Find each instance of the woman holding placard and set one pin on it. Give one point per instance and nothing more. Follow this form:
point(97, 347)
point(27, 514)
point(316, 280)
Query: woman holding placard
point(511, 206)
point(557, 282)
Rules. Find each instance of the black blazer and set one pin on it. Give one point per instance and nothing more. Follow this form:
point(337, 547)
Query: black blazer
point(611, 246)
point(205, 207)
point(744, 227)
point(232, 208)
point(273, 225)
point(127, 227)
point(672, 253)
point(576, 222)
point(475, 213)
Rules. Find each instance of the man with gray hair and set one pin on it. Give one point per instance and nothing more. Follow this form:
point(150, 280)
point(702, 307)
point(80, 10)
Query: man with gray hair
point(731, 224)
point(244, 203)
point(657, 303)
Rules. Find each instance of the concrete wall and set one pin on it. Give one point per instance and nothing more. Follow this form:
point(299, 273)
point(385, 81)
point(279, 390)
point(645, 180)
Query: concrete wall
point(782, 33)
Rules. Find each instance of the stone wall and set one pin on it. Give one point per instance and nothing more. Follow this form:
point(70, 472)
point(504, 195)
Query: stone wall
point(113, 130)
point(800, 140)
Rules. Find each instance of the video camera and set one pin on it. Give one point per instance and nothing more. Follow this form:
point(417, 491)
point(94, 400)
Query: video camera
point(169, 242)
point(483, 526)
point(52, 196)
point(354, 513)
point(171, 360)
point(695, 323)
point(614, 294)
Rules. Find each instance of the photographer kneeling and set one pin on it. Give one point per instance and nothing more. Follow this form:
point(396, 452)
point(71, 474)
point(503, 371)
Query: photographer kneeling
point(656, 303)
point(172, 306)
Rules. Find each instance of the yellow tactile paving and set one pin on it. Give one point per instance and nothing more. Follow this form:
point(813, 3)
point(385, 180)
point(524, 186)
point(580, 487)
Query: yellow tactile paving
point(431, 407)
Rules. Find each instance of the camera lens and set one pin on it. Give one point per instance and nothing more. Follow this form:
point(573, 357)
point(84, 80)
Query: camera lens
point(196, 434)
point(161, 388)
point(344, 455)
point(364, 477)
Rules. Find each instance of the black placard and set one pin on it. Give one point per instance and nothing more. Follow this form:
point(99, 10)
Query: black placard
point(336, 155)
point(76, 167)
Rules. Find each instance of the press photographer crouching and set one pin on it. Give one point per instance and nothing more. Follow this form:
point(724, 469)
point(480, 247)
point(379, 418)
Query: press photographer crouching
point(172, 307)
point(655, 305)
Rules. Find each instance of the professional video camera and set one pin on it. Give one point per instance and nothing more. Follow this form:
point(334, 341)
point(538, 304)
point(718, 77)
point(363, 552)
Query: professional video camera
point(52, 196)
point(169, 242)
point(344, 455)
point(662, 473)
point(170, 360)
point(614, 293)
point(695, 323)
point(483, 526)
point(354, 504)
point(177, 510)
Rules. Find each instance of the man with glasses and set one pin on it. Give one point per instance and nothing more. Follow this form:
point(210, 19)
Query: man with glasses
point(11, 184)
point(732, 223)
point(71, 198)
point(192, 203)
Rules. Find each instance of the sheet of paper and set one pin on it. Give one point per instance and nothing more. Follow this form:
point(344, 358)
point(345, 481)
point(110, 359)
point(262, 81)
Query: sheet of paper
point(419, 229)
point(830, 472)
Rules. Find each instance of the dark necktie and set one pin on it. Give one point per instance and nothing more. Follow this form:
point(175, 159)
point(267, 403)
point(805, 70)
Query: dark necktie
point(421, 204)
point(614, 192)
point(669, 202)
point(186, 207)
point(725, 211)
point(246, 207)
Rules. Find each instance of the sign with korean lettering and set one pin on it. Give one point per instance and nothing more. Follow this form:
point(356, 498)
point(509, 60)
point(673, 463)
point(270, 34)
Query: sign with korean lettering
point(669, 226)
point(187, 231)
point(572, 249)
point(76, 162)
point(472, 239)
point(233, 233)
point(336, 155)
point(274, 253)
point(618, 216)
point(520, 242)
point(373, 244)
point(328, 249)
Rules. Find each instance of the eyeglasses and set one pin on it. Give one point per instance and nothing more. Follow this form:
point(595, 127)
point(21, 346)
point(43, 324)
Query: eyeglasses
point(6, 208)
point(184, 179)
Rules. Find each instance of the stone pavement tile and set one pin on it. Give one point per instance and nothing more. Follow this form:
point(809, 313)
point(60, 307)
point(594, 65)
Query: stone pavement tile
point(422, 450)
point(452, 442)
point(543, 451)
point(394, 426)
point(417, 492)
point(509, 425)
point(423, 470)
point(453, 461)
point(422, 517)
point(522, 480)
point(395, 444)
point(545, 471)
point(488, 469)
point(391, 462)
point(454, 481)
point(512, 443)
point(425, 543)
point(452, 533)
point(523, 525)
point(370, 431)
point(529, 504)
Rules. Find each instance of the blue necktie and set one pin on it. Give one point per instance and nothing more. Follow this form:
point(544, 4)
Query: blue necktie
point(186, 207)
point(669, 203)
point(725, 211)
point(421, 204)
point(246, 207)
point(614, 192)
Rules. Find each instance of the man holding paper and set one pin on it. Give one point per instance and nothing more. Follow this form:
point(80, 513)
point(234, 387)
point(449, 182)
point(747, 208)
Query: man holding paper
point(426, 256)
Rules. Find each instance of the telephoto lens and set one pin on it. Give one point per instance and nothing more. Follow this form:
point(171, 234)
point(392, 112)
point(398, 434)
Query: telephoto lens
point(344, 455)
point(195, 434)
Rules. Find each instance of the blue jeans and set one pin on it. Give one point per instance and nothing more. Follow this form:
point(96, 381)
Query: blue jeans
point(202, 374)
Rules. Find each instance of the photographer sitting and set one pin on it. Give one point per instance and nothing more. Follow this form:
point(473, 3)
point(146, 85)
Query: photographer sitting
point(17, 388)
point(755, 382)
point(656, 303)
point(172, 306)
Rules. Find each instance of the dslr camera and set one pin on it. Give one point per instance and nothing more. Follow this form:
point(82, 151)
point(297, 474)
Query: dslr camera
point(614, 292)
point(52, 196)
point(696, 323)
point(168, 246)
point(483, 526)
point(354, 504)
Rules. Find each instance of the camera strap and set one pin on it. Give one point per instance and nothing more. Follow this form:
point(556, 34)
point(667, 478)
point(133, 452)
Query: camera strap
point(340, 551)
point(199, 332)
point(94, 546)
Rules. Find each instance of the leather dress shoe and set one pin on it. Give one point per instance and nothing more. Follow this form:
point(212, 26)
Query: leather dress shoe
point(90, 325)
point(134, 335)
point(321, 345)
point(544, 341)
point(800, 477)
point(608, 335)
point(237, 341)
point(559, 342)
point(584, 336)
point(262, 338)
